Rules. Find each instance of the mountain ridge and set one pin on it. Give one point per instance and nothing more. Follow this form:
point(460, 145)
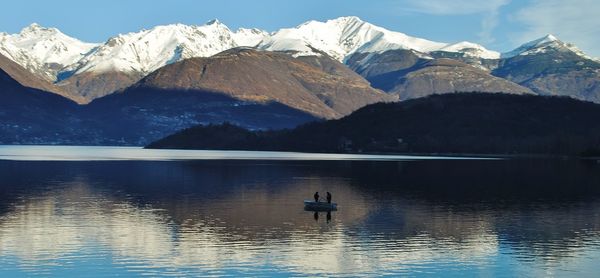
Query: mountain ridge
point(353, 35)
point(85, 71)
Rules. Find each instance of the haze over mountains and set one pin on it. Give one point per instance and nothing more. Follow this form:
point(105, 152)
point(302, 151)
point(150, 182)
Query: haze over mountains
point(154, 82)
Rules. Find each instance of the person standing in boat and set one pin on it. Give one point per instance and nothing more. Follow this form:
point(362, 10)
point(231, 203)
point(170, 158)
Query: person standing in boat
point(316, 196)
point(328, 197)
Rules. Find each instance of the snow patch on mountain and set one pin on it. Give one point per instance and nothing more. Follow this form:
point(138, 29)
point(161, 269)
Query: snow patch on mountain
point(472, 50)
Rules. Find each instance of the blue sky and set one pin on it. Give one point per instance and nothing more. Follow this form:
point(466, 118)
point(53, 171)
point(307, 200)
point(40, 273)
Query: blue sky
point(497, 24)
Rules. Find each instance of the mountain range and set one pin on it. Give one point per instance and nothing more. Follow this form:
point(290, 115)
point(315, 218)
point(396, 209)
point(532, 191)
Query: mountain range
point(85, 71)
point(154, 82)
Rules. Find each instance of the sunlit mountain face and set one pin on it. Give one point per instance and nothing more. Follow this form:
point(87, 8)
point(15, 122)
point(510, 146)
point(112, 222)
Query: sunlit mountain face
point(247, 218)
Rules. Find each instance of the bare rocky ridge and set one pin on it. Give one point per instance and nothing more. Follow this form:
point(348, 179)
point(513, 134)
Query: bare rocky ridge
point(408, 75)
point(448, 76)
point(319, 85)
point(371, 65)
point(580, 84)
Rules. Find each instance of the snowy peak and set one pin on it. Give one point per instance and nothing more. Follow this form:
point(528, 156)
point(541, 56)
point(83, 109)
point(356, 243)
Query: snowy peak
point(549, 38)
point(213, 22)
point(43, 50)
point(532, 46)
point(342, 37)
point(249, 37)
point(347, 20)
point(542, 45)
point(36, 29)
point(148, 50)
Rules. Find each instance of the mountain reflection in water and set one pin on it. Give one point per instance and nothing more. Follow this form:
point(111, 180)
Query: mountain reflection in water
point(511, 217)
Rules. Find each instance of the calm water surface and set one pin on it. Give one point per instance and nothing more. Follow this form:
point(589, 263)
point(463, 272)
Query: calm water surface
point(76, 211)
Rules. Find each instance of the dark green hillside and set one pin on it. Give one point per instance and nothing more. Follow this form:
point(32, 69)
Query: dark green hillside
point(451, 123)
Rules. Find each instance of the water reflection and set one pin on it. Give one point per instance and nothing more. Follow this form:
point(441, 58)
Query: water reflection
point(247, 218)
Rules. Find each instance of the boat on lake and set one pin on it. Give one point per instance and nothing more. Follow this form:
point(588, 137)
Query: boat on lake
point(319, 206)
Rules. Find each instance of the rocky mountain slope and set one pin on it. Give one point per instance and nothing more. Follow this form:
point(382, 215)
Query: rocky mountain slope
point(551, 67)
point(27, 79)
point(317, 85)
point(407, 74)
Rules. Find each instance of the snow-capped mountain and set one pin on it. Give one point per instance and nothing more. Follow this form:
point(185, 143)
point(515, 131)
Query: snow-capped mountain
point(148, 50)
point(44, 51)
point(48, 52)
point(342, 37)
point(542, 45)
point(549, 66)
point(94, 70)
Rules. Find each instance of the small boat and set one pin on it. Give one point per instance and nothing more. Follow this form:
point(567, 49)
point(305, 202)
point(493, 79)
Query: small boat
point(319, 206)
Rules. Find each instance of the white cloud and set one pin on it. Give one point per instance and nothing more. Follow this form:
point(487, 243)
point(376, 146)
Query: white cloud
point(488, 24)
point(489, 9)
point(574, 21)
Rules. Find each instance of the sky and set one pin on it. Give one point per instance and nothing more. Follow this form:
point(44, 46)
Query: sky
point(499, 25)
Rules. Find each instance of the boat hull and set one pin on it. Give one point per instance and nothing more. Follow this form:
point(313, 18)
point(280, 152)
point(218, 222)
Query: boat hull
point(319, 206)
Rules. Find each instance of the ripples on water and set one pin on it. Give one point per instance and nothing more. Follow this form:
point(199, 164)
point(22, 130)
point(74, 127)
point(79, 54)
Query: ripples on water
point(245, 217)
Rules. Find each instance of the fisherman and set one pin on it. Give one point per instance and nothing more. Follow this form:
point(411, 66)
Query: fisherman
point(328, 197)
point(316, 196)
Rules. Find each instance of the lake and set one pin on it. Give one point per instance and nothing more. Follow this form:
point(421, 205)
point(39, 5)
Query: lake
point(104, 211)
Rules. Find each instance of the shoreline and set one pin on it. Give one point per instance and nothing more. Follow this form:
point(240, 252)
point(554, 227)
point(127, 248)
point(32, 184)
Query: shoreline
point(419, 154)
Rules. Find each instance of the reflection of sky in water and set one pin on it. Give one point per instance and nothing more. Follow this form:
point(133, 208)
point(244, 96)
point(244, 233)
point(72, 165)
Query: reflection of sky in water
point(83, 219)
